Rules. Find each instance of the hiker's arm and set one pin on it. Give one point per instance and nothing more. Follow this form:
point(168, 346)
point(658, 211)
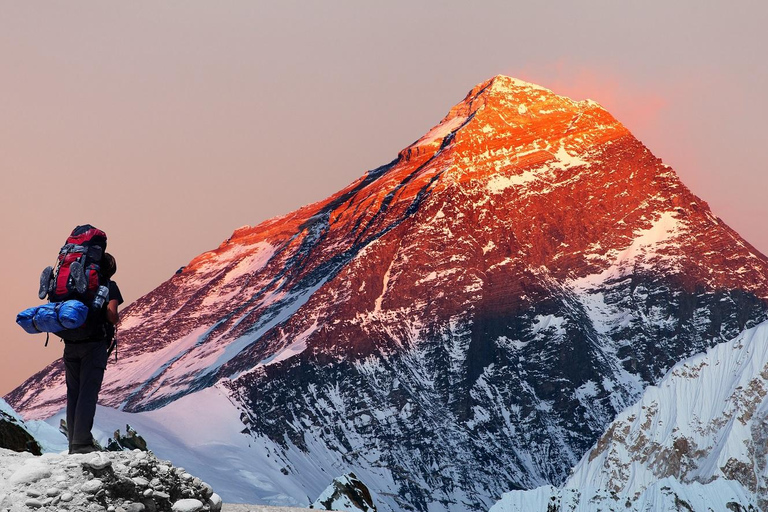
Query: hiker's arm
point(112, 315)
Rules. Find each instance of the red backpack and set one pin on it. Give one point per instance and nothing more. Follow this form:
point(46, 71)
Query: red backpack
point(76, 275)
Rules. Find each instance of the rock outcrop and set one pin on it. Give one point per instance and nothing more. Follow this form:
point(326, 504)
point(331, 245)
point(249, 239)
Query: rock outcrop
point(132, 481)
point(13, 434)
point(346, 493)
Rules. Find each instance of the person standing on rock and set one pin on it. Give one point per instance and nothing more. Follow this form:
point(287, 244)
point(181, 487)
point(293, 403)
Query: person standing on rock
point(85, 361)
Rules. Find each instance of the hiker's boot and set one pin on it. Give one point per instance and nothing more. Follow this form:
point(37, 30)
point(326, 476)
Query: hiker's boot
point(82, 448)
point(46, 282)
point(77, 275)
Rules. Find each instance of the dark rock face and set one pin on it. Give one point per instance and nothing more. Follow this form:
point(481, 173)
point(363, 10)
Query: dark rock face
point(522, 417)
point(463, 321)
point(13, 436)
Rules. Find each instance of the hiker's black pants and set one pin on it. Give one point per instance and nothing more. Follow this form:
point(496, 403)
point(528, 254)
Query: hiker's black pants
point(85, 363)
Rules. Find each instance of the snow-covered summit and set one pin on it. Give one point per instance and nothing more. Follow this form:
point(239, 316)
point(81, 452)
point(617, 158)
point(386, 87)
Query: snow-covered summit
point(506, 84)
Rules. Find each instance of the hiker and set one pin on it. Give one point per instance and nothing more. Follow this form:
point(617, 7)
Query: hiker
point(85, 361)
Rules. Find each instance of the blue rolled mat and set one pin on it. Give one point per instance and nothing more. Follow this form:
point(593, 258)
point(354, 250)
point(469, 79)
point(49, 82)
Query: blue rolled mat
point(53, 317)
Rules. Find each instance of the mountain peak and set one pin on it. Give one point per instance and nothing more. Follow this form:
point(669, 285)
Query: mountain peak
point(509, 93)
point(508, 84)
point(515, 87)
point(513, 280)
point(508, 119)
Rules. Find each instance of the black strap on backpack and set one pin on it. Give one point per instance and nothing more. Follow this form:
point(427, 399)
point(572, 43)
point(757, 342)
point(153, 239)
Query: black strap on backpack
point(113, 345)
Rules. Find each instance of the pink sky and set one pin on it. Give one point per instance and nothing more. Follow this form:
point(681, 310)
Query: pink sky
point(171, 124)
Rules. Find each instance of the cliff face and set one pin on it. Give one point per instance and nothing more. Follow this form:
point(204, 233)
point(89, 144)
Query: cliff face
point(462, 321)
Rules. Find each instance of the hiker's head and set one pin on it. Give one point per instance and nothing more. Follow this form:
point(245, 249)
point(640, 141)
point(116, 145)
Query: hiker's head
point(108, 266)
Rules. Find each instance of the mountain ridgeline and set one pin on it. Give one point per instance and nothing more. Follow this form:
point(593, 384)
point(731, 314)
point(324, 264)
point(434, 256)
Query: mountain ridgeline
point(461, 322)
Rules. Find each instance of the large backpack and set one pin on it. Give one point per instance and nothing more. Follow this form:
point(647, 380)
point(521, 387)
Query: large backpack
point(76, 275)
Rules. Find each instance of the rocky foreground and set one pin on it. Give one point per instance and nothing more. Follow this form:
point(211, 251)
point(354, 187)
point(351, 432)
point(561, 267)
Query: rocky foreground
point(133, 481)
point(126, 478)
point(242, 507)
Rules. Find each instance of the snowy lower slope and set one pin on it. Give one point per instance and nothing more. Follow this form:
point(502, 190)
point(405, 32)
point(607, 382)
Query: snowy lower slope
point(202, 433)
point(56, 479)
point(700, 437)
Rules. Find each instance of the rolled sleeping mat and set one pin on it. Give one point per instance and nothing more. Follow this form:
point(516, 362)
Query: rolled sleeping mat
point(53, 317)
